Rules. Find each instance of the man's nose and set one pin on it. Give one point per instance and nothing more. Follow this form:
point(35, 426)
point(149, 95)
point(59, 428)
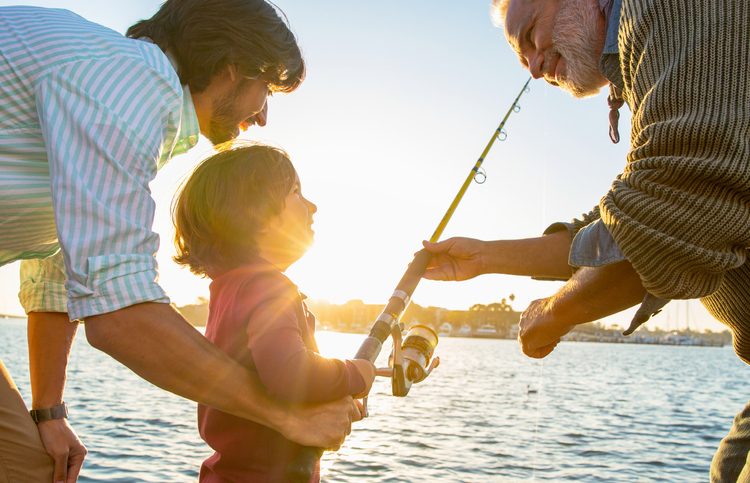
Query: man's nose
point(536, 62)
point(262, 116)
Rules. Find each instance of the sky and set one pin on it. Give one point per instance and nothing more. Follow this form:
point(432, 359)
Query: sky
point(399, 101)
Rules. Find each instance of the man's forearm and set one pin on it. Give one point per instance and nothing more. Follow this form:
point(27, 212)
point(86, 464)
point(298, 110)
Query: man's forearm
point(591, 294)
point(156, 343)
point(594, 293)
point(50, 336)
point(545, 256)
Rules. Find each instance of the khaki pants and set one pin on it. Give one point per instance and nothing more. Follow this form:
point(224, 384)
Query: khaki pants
point(22, 455)
point(731, 462)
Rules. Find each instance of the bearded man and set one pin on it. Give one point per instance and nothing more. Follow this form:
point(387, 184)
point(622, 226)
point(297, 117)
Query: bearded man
point(675, 224)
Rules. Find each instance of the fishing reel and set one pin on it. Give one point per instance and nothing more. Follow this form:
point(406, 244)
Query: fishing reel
point(411, 360)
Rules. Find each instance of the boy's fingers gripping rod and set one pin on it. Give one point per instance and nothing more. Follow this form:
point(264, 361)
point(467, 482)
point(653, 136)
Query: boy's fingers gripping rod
point(411, 357)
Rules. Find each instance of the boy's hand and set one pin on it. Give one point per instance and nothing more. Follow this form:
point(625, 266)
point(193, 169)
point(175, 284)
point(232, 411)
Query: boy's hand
point(366, 370)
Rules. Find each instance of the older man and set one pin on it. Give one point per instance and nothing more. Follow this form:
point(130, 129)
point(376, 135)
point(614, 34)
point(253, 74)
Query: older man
point(676, 223)
point(86, 119)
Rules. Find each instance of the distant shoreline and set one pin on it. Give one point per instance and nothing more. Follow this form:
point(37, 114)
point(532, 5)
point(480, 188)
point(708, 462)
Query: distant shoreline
point(683, 340)
point(586, 333)
point(9, 316)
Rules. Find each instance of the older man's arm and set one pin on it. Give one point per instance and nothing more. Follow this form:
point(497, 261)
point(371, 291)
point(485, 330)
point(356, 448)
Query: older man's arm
point(464, 258)
point(591, 294)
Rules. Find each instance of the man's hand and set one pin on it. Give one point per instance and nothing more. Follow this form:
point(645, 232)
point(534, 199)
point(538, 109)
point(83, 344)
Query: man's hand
point(591, 294)
point(539, 330)
point(465, 258)
point(64, 447)
point(454, 259)
point(321, 425)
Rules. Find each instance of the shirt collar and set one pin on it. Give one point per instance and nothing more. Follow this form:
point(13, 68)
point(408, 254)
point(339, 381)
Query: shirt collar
point(609, 64)
point(189, 129)
point(613, 25)
point(187, 135)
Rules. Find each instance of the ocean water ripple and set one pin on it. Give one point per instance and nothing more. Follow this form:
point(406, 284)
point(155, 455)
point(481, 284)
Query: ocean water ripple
point(589, 413)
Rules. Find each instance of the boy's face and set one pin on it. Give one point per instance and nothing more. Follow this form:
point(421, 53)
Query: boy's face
point(288, 235)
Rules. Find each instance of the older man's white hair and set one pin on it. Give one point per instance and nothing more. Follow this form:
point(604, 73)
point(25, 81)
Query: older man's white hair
point(498, 10)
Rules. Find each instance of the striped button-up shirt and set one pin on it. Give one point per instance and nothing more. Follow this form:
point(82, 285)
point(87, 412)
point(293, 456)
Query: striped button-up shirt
point(87, 117)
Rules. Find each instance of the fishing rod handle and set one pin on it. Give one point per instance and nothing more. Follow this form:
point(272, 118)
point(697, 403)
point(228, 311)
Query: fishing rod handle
point(388, 318)
point(300, 470)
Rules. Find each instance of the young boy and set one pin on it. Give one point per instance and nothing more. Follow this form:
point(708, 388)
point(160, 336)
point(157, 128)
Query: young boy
point(241, 219)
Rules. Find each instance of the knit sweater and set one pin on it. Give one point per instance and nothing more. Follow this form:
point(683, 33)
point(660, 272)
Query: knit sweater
point(680, 211)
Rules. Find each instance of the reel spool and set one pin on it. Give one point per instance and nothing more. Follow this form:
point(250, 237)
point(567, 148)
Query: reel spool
point(411, 360)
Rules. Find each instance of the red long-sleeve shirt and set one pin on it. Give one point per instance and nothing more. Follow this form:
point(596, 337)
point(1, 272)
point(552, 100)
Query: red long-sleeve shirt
point(257, 316)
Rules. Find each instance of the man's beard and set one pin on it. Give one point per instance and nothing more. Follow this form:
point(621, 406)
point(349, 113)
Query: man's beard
point(579, 37)
point(223, 125)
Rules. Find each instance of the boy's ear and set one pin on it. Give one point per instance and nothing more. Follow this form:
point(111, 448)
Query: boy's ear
point(262, 228)
point(233, 72)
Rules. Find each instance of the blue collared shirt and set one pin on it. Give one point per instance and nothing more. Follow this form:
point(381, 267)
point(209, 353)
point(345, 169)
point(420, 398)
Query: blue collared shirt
point(609, 62)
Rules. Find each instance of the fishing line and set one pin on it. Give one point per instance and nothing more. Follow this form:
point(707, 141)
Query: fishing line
point(535, 441)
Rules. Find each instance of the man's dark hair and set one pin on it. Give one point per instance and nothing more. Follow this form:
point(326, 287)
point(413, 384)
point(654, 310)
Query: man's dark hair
point(205, 36)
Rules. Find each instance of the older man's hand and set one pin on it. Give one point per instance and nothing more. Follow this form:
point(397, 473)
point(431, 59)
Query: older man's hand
point(540, 329)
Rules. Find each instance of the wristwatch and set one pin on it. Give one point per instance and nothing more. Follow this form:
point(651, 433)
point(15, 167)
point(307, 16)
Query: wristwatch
point(59, 411)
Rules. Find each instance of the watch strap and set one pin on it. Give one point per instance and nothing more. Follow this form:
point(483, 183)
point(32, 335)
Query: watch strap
point(58, 411)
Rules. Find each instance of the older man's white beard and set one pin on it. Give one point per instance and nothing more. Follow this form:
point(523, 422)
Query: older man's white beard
point(578, 37)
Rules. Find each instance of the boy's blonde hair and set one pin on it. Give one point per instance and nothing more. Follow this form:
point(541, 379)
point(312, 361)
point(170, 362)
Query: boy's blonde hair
point(228, 199)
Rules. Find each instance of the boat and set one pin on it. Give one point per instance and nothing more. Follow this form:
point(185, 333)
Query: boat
point(464, 331)
point(445, 330)
point(486, 330)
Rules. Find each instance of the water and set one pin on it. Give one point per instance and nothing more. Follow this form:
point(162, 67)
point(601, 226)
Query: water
point(589, 412)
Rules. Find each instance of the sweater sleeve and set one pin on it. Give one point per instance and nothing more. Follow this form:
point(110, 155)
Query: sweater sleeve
point(287, 367)
point(680, 212)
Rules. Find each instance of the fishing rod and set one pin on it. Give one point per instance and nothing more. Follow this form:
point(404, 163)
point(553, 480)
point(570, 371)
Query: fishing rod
point(411, 360)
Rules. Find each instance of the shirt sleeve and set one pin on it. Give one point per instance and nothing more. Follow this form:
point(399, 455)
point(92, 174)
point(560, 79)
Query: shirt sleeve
point(43, 285)
point(289, 369)
point(593, 246)
point(103, 123)
point(572, 228)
